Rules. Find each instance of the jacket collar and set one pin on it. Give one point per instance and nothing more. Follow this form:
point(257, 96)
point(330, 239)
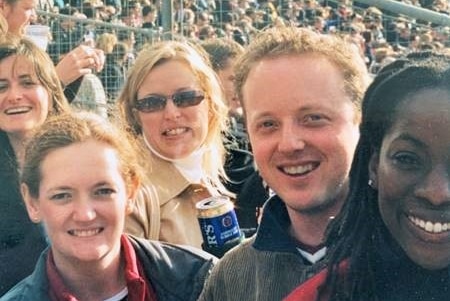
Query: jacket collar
point(273, 232)
point(166, 179)
point(138, 289)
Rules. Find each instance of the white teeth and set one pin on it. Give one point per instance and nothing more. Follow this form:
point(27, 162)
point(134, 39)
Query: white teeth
point(429, 226)
point(293, 170)
point(85, 233)
point(17, 110)
point(422, 224)
point(174, 132)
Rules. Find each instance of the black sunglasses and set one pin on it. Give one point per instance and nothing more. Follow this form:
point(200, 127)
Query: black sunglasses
point(154, 103)
point(6, 51)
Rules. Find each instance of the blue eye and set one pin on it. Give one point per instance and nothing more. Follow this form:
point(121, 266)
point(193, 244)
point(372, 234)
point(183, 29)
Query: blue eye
point(3, 86)
point(315, 120)
point(313, 117)
point(28, 83)
point(267, 124)
point(104, 192)
point(61, 196)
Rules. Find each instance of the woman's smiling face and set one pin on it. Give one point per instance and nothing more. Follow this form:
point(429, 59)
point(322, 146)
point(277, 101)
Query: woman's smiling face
point(24, 101)
point(412, 175)
point(82, 202)
point(174, 132)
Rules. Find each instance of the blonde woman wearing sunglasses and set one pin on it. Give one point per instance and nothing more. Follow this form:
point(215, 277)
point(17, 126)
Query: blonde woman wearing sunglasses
point(172, 100)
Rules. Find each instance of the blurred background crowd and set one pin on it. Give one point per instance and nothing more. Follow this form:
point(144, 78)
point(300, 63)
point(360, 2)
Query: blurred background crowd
point(120, 28)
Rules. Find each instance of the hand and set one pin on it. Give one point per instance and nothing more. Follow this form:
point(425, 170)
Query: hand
point(78, 62)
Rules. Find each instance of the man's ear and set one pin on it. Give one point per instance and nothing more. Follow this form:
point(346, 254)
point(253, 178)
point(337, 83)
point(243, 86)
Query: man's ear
point(31, 204)
point(373, 170)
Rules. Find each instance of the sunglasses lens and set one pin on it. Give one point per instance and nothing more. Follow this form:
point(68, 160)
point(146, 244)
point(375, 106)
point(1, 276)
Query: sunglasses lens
point(188, 98)
point(151, 104)
point(6, 52)
point(156, 103)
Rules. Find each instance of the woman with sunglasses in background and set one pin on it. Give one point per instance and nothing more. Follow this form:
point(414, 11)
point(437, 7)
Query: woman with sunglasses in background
point(29, 92)
point(173, 101)
point(79, 179)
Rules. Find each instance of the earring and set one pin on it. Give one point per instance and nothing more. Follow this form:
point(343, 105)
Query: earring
point(371, 183)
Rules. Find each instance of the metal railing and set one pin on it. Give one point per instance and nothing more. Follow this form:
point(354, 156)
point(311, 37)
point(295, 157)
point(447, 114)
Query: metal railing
point(401, 27)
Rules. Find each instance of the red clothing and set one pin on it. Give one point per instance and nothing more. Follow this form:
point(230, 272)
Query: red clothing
point(309, 290)
point(139, 288)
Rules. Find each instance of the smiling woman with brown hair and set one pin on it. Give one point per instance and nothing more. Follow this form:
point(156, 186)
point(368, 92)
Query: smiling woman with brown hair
point(79, 180)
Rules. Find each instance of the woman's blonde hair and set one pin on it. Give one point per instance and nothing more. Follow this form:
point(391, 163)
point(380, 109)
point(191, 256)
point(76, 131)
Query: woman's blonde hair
point(3, 26)
point(197, 60)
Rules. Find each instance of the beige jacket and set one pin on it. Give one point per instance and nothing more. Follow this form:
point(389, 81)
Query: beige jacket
point(175, 219)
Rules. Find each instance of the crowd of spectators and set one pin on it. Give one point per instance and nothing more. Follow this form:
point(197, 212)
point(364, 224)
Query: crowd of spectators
point(93, 44)
point(380, 35)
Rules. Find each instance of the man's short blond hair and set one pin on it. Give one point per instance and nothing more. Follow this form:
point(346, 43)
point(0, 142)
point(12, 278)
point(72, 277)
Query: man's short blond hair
point(291, 41)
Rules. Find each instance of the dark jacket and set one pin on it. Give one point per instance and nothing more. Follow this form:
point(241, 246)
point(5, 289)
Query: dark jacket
point(176, 273)
point(250, 200)
point(239, 164)
point(21, 241)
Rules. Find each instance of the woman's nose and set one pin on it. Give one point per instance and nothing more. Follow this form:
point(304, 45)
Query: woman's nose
point(436, 186)
point(14, 93)
point(84, 211)
point(171, 111)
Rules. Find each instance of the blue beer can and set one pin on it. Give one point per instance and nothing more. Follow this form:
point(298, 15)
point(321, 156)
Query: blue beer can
point(218, 222)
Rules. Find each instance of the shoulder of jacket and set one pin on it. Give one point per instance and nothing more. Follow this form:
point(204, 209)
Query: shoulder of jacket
point(242, 252)
point(26, 290)
point(174, 270)
point(167, 252)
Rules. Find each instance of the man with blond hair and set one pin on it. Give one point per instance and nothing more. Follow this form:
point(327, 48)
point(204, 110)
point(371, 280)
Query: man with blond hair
point(301, 94)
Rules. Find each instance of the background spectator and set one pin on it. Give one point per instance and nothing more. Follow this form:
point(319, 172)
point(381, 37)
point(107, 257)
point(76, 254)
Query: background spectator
point(30, 93)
